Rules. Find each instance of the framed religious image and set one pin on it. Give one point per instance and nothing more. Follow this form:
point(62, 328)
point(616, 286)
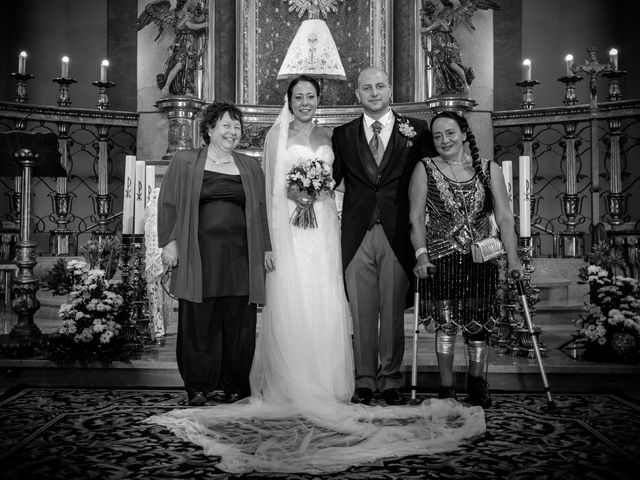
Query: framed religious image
point(266, 28)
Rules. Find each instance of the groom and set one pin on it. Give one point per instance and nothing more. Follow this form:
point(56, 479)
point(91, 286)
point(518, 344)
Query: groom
point(375, 155)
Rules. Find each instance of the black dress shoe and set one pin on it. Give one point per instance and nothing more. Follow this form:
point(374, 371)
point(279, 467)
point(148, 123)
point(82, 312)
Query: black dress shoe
point(393, 397)
point(196, 399)
point(362, 395)
point(232, 397)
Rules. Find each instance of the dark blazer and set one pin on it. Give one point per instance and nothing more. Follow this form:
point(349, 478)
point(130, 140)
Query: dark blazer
point(178, 210)
point(367, 185)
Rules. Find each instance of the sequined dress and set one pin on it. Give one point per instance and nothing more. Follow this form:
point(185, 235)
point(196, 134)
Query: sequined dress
point(461, 295)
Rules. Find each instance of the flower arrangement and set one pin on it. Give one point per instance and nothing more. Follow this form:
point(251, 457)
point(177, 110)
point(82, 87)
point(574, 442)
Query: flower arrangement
point(102, 253)
point(64, 275)
point(93, 321)
point(313, 177)
point(610, 324)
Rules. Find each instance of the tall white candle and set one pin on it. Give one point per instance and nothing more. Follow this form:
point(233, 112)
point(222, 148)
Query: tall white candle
point(139, 199)
point(613, 58)
point(64, 67)
point(524, 195)
point(127, 197)
point(526, 70)
point(22, 62)
point(569, 61)
point(149, 182)
point(507, 173)
point(103, 70)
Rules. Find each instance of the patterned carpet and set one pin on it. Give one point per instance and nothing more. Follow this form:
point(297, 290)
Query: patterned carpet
point(85, 434)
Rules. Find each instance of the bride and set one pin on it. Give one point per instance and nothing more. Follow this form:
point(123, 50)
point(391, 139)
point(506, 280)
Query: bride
point(298, 418)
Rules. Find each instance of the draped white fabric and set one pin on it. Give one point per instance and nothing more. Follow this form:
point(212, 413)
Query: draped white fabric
point(298, 418)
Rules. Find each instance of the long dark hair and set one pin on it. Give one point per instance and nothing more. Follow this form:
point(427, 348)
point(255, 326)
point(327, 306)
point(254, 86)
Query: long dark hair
point(297, 80)
point(476, 162)
point(213, 113)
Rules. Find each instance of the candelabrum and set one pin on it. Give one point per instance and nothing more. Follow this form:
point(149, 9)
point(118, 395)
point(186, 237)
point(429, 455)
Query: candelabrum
point(570, 89)
point(615, 93)
point(21, 86)
point(527, 93)
point(523, 343)
point(64, 100)
point(103, 96)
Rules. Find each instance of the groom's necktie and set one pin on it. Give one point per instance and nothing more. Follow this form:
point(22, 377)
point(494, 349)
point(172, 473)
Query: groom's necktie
point(375, 144)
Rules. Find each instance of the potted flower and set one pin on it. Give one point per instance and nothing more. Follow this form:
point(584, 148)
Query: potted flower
point(93, 322)
point(610, 324)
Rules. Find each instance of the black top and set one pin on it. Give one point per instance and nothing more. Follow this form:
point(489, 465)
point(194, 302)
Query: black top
point(222, 236)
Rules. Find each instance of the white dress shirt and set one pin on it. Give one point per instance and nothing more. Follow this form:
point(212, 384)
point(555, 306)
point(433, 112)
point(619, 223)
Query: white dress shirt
point(387, 121)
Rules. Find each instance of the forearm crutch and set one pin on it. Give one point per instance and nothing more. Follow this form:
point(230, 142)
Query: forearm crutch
point(416, 331)
point(515, 275)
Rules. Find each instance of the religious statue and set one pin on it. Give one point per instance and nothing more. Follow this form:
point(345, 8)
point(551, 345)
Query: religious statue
point(189, 19)
point(439, 18)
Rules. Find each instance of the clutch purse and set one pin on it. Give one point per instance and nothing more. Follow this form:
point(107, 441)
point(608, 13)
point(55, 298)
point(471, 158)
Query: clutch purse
point(486, 249)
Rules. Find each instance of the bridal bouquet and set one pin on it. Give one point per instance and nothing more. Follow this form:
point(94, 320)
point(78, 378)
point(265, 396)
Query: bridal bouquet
point(311, 176)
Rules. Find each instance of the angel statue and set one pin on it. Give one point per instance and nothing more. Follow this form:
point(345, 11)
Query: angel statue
point(185, 63)
point(439, 18)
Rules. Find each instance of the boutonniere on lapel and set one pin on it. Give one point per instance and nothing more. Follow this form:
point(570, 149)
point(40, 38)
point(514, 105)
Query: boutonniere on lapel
point(406, 129)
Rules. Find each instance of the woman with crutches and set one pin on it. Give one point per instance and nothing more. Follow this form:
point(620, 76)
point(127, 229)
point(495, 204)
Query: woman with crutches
point(453, 198)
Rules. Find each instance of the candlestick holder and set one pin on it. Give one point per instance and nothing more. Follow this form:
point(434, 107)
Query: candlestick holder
point(570, 81)
point(134, 290)
point(21, 86)
point(64, 100)
point(527, 93)
point(615, 92)
point(523, 343)
point(103, 96)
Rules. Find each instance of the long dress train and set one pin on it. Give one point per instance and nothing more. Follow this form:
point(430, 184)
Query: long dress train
point(297, 419)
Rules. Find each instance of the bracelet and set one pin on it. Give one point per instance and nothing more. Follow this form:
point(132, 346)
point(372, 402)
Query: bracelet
point(420, 251)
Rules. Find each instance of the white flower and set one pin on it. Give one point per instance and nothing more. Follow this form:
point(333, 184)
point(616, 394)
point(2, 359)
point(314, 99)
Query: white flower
point(406, 129)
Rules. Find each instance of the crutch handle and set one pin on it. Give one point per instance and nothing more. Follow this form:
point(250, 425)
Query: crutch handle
point(515, 275)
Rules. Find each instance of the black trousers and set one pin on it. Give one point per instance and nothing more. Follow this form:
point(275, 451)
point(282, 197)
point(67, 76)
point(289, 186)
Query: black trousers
point(216, 343)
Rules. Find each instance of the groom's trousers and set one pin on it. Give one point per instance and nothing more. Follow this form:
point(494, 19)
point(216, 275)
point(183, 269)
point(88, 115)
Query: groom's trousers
point(377, 286)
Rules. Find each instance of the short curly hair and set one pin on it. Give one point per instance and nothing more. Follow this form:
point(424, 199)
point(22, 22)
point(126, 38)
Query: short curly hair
point(214, 112)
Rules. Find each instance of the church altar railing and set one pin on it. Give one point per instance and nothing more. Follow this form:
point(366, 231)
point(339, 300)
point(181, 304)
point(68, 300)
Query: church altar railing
point(93, 145)
point(585, 171)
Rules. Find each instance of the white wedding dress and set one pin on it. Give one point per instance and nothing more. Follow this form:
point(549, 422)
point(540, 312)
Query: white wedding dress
point(298, 418)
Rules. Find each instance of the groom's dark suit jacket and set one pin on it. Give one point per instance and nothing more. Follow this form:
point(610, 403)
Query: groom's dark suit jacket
point(368, 185)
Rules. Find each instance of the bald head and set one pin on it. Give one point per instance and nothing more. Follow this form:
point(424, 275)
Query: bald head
point(374, 91)
point(372, 71)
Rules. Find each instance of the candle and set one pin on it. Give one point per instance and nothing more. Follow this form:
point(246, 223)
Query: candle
point(507, 173)
point(64, 67)
point(22, 62)
point(150, 182)
point(103, 70)
point(613, 58)
point(139, 199)
point(569, 60)
point(524, 194)
point(526, 70)
point(127, 198)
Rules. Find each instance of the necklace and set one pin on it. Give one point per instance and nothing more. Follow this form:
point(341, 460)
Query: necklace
point(221, 163)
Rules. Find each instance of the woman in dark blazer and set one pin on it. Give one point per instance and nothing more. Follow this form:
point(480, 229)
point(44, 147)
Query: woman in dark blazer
point(212, 226)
